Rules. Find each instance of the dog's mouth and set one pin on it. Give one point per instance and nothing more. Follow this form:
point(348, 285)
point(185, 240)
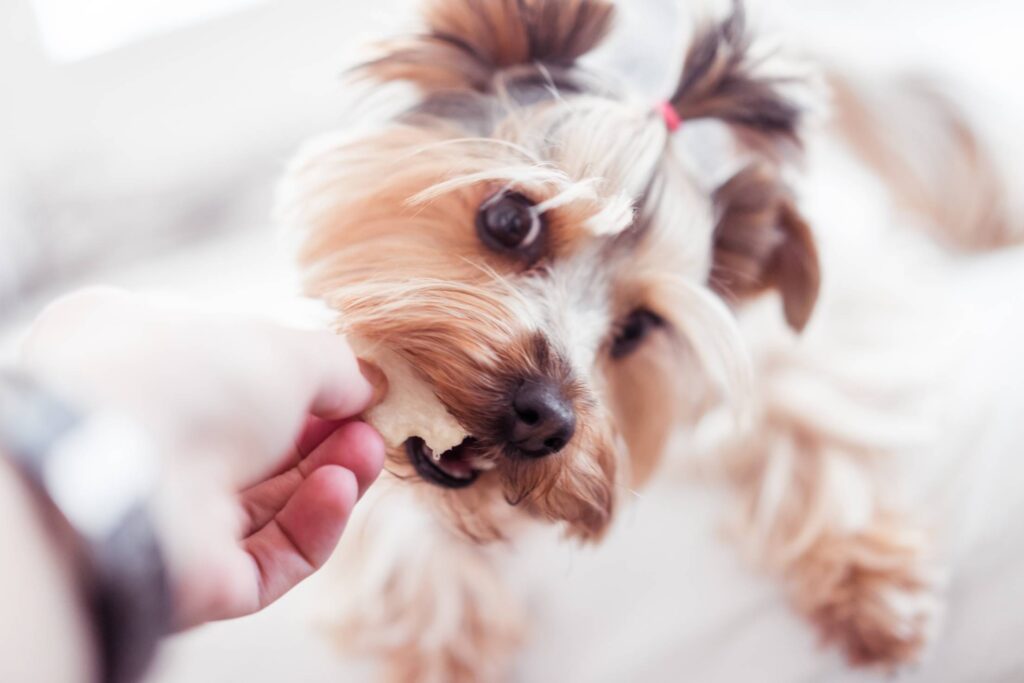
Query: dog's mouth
point(456, 468)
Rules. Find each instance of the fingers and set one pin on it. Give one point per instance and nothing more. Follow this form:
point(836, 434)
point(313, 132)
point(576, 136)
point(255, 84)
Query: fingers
point(45, 348)
point(353, 445)
point(377, 378)
point(313, 433)
point(341, 390)
point(271, 394)
point(297, 517)
point(356, 446)
point(304, 533)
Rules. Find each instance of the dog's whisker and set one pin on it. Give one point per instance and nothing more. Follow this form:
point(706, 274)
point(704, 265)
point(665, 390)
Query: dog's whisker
point(516, 175)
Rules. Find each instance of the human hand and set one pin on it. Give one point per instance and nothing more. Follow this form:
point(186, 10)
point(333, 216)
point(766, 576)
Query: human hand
point(261, 461)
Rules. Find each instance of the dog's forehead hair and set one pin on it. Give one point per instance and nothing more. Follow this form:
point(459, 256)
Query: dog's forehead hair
point(570, 304)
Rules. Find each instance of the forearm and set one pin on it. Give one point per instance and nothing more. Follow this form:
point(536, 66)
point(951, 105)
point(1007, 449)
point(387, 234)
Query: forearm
point(44, 632)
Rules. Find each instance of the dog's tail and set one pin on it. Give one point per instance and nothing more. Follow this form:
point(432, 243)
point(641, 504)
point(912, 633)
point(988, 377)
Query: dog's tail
point(467, 41)
point(945, 158)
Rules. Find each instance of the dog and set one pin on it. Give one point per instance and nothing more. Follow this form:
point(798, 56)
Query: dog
point(591, 283)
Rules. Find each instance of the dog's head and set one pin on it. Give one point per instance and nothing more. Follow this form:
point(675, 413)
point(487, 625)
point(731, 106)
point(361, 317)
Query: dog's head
point(532, 243)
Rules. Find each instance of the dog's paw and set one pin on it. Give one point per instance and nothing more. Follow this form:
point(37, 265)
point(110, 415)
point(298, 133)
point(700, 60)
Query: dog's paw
point(875, 596)
point(883, 620)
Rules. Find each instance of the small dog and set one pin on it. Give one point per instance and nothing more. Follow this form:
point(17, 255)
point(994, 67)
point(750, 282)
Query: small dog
point(587, 282)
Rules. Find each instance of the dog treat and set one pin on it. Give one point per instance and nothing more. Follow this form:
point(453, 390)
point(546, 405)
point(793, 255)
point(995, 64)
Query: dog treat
point(410, 408)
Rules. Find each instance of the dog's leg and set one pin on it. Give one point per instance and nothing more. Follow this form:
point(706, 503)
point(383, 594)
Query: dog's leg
point(427, 604)
point(815, 511)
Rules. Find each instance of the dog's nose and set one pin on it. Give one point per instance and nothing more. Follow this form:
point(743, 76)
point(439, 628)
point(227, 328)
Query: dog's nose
point(543, 421)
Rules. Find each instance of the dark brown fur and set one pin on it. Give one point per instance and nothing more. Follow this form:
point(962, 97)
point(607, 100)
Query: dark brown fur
point(762, 242)
point(718, 81)
point(467, 41)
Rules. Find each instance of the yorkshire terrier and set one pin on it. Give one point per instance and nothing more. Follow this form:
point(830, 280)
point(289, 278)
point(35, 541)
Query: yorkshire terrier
point(589, 283)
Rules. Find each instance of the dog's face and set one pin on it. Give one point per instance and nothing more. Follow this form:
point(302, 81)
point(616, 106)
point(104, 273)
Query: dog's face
point(543, 262)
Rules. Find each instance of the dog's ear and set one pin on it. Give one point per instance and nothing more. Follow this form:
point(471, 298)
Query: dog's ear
point(467, 41)
point(762, 242)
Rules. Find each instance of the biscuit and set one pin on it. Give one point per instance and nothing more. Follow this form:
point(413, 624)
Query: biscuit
point(410, 407)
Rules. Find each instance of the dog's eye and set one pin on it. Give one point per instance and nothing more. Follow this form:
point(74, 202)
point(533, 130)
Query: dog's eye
point(508, 222)
point(633, 330)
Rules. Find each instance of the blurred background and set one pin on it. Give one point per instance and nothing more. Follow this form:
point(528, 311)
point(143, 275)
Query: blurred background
point(134, 130)
point(140, 143)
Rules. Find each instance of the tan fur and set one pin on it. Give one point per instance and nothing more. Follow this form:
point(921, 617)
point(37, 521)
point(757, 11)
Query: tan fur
point(441, 614)
point(814, 513)
point(871, 593)
point(389, 241)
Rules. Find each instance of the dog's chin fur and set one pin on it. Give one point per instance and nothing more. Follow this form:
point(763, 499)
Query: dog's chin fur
point(388, 222)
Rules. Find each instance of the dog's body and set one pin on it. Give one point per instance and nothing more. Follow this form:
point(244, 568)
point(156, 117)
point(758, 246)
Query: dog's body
point(589, 290)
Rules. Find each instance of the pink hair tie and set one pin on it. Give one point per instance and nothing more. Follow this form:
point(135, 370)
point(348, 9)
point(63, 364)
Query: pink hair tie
point(669, 115)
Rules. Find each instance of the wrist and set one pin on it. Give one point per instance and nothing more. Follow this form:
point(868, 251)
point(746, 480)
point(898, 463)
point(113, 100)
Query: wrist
point(41, 589)
point(190, 513)
point(94, 473)
point(23, 508)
